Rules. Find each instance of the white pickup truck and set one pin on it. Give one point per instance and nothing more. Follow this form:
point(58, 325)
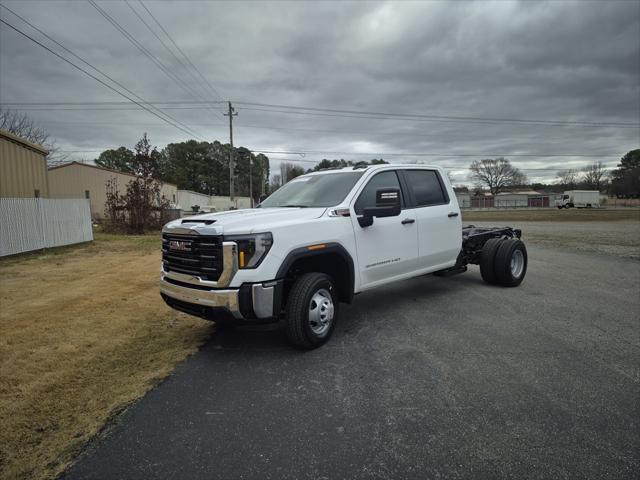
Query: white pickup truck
point(323, 238)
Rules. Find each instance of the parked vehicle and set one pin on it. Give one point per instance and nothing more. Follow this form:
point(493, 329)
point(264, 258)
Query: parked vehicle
point(323, 238)
point(579, 199)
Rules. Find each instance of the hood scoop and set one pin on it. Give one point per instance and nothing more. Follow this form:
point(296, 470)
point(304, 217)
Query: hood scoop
point(204, 222)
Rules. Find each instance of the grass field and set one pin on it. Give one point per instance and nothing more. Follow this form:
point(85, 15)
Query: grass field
point(552, 215)
point(83, 332)
point(611, 232)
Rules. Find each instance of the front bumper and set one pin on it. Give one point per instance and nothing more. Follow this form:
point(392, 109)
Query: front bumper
point(216, 300)
point(255, 301)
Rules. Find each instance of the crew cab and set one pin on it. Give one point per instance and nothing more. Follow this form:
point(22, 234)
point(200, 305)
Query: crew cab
point(321, 239)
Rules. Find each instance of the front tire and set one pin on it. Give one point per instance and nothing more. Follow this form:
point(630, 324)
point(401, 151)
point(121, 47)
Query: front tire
point(311, 311)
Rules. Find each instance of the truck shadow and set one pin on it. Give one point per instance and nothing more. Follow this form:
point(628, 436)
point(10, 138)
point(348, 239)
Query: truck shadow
point(379, 308)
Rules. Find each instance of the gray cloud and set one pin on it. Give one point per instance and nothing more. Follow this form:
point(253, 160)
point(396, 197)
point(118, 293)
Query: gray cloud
point(558, 60)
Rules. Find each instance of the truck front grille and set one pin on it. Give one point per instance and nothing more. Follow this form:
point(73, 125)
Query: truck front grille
point(196, 255)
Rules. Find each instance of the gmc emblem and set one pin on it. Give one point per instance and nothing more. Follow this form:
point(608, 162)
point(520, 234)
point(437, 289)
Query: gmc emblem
point(180, 245)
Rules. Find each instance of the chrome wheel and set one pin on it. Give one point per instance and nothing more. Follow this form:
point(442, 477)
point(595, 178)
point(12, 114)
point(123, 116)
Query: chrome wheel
point(321, 311)
point(517, 263)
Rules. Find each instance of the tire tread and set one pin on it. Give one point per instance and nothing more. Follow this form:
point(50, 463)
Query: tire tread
point(296, 310)
point(503, 263)
point(487, 260)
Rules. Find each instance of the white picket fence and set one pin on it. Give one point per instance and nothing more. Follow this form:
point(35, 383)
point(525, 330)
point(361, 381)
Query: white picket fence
point(34, 223)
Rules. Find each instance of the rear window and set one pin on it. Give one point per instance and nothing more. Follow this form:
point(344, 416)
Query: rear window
point(427, 187)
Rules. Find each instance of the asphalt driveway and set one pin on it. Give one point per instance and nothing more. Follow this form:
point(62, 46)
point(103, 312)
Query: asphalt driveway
point(428, 378)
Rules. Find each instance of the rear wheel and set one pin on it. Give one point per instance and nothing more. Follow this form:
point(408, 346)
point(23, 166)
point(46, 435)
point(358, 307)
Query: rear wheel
point(311, 312)
point(511, 263)
point(487, 257)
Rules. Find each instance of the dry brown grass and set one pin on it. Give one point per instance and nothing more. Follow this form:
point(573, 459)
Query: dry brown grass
point(83, 334)
point(552, 215)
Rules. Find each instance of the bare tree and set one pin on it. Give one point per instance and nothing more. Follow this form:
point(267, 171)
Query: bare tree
point(450, 176)
point(276, 183)
point(21, 125)
point(289, 171)
point(568, 177)
point(595, 176)
point(496, 174)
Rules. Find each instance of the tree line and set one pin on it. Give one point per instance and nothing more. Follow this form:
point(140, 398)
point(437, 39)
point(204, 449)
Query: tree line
point(201, 167)
point(499, 175)
point(289, 170)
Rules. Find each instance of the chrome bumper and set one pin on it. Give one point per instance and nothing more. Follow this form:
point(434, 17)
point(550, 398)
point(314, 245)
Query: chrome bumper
point(227, 299)
point(213, 299)
point(249, 302)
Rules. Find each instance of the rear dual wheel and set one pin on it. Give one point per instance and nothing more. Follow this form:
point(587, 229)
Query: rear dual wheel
point(503, 262)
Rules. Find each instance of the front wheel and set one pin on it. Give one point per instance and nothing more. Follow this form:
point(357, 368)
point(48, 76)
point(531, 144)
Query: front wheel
point(311, 311)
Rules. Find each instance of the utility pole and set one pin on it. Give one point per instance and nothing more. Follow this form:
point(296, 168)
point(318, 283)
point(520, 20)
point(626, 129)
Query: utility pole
point(231, 114)
point(250, 183)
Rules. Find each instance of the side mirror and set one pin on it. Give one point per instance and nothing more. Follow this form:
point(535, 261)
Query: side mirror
point(387, 205)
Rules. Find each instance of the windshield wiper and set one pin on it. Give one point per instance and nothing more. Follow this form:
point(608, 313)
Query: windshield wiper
point(295, 206)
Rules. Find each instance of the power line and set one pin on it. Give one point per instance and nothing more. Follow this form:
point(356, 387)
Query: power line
point(177, 125)
point(442, 117)
point(180, 82)
point(213, 89)
point(311, 130)
point(141, 100)
point(412, 119)
point(119, 109)
point(166, 48)
point(422, 154)
point(313, 111)
point(168, 102)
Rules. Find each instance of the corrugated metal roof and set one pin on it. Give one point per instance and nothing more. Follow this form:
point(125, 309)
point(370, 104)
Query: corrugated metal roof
point(68, 164)
point(24, 142)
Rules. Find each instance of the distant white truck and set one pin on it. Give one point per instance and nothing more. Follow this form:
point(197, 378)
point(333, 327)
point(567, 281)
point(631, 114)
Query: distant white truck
point(579, 199)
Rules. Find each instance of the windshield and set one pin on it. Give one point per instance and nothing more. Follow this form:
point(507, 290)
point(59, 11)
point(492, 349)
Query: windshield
point(313, 190)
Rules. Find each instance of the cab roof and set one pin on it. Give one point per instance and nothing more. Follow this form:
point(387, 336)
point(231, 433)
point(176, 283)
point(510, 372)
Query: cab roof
point(369, 168)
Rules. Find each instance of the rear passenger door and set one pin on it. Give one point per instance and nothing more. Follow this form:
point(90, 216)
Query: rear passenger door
point(438, 219)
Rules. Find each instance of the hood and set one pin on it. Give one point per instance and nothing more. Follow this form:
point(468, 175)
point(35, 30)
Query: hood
point(251, 220)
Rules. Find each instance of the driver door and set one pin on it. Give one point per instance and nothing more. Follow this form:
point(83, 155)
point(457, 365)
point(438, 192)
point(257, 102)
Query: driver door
point(389, 248)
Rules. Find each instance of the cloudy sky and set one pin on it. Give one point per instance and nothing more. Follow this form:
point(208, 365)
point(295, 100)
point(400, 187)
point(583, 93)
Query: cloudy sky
point(545, 84)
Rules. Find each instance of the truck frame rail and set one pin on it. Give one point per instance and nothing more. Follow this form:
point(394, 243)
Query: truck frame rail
point(474, 238)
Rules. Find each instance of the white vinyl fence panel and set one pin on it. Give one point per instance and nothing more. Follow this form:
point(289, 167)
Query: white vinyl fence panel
point(33, 223)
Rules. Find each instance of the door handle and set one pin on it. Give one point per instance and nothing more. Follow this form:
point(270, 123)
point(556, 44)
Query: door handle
point(452, 214)
point(406, 221)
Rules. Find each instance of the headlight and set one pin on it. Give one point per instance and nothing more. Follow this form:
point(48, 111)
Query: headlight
point(251, 248)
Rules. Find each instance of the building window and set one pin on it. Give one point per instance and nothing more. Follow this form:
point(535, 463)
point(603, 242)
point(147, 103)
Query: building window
point(36, 193)
point(174, 198)
point(86, 194)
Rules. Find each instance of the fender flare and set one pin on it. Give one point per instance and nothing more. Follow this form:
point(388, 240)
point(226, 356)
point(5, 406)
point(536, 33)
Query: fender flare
point(333, 248)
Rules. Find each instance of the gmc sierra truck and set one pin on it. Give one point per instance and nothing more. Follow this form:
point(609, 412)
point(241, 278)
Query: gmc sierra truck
point(323, 238)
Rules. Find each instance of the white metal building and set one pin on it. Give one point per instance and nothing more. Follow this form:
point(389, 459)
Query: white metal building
point(186, 199)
